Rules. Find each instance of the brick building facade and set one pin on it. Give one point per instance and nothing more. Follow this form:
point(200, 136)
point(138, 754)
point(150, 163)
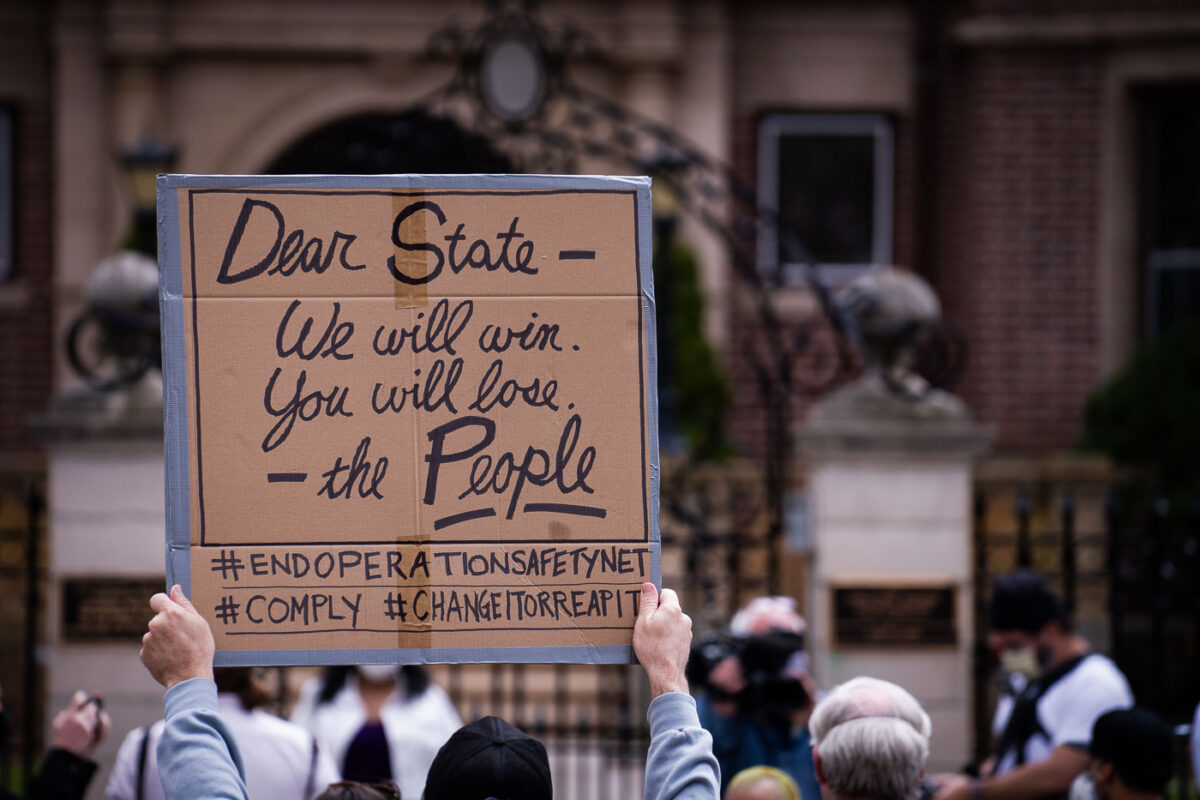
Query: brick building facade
point(1020, 193)
point(1014, 161)
point(26, 243)
point(1015, 167)
point(998, 147)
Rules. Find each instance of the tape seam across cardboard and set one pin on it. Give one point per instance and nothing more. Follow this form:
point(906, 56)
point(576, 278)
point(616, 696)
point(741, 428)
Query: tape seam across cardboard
point(410, 263)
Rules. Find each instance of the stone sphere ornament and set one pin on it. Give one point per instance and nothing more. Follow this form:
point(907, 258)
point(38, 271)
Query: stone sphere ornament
point(895, 312)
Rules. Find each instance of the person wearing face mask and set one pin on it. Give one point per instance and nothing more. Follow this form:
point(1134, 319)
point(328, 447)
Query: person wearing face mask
point(1059, 688)
point(378, 722)
point(1132, 759)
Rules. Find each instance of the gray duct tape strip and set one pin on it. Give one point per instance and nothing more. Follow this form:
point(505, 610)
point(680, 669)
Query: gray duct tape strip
point(603, 654)
point(645, 255)
point(175, 410)
point(405, 182)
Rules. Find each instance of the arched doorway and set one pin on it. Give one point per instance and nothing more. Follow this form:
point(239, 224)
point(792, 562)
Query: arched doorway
point(383, 143)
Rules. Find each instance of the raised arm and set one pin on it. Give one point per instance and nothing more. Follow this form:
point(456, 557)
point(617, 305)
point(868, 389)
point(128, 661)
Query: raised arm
point(66, 771)
point(197, 757)
point(680, 764)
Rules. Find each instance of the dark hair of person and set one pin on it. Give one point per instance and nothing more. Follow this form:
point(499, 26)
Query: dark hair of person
point(349, 790)
point(240, 681)
point(412, 677)
point(1021, 601)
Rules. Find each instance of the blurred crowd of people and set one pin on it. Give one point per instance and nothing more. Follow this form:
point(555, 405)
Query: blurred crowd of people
point(1065, 725)
point(759, 728)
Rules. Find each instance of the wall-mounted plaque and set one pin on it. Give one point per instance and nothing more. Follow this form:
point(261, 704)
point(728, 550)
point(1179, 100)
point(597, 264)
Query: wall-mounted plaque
point(104, 609)
point(894, 616)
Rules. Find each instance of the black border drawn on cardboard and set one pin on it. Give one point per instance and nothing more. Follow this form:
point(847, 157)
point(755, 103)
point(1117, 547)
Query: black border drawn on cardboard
point(645, 538)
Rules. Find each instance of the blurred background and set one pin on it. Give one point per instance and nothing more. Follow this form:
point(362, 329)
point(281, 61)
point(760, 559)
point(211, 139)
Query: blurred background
point(1034, 163)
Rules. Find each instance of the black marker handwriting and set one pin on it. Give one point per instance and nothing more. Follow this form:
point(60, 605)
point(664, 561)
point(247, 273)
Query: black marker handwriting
point(301, 405)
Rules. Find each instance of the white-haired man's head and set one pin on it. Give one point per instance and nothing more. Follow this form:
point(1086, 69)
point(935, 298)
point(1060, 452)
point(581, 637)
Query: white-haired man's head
point(766, 614)
point(870, 741)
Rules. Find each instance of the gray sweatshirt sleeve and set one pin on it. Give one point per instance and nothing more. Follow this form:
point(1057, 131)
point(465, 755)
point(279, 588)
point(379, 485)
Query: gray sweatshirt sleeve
point(197, 757)
point(680, 764)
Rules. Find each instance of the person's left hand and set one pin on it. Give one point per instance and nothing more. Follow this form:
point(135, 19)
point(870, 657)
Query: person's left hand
point(801, 715)
point(179, 644)
point(80, 726)
point(952, 786)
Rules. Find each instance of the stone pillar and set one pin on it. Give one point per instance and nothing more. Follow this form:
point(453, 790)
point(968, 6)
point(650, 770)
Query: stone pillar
point(891, 523)
point(106, 516)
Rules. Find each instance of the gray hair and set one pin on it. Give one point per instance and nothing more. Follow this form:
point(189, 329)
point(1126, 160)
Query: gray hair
point(776, 612)
point(873, 738)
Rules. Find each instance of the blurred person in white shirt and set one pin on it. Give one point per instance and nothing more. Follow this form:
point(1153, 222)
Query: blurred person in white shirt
point(282, 760)
point(378, 722)
point(1044, 729)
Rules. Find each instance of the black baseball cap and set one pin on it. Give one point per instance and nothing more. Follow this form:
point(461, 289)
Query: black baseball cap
point(1139, 744)
point(490, 759)
point(1021, 601)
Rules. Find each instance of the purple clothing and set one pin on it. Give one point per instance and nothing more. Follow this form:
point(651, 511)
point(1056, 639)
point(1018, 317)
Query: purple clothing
point(367, 759)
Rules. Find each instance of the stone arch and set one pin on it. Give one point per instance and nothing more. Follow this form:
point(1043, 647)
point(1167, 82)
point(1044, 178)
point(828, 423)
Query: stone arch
point(410, 141)
point(258, 141)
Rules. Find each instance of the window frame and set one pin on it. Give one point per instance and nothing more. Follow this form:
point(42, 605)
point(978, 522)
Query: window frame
point(8, 193)
point(1158, 264)
point(1156, 260)
point(771, 128)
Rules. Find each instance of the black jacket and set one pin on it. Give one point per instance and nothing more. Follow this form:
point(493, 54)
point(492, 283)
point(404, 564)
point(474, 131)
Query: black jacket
point(63, 776)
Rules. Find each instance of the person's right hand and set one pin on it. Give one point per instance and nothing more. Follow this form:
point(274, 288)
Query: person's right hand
point(662, 640)
point(80, 726)
point(728, 679)
point(727, 675)
point(179, 644)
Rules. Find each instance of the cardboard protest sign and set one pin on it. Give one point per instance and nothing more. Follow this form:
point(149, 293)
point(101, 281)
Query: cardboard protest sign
point(410, 418)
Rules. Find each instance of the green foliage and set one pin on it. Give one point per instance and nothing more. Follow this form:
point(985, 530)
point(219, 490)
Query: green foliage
point(700, 389)
point(1148, 414)
point(16, 777)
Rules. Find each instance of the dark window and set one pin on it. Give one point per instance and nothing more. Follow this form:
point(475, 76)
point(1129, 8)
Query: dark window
point(830, 178)
point(7, 194)
point(1169, 204)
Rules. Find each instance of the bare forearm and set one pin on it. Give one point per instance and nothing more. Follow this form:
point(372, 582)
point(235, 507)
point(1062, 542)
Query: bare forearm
point(1052, 776)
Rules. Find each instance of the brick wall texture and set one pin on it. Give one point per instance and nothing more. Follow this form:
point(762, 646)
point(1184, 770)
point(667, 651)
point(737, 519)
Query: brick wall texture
point(26, 341)
point(1016, 237)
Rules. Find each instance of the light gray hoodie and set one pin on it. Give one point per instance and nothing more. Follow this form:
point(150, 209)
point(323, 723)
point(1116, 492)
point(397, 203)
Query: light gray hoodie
point(198, 759)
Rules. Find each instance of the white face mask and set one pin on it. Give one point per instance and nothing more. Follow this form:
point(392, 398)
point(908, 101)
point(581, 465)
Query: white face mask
point(1084, 788)
point(1022, 661)
point(377, 673)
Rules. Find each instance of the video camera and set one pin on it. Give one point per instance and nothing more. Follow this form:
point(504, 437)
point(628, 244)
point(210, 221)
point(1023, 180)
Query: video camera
point(769, 691)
